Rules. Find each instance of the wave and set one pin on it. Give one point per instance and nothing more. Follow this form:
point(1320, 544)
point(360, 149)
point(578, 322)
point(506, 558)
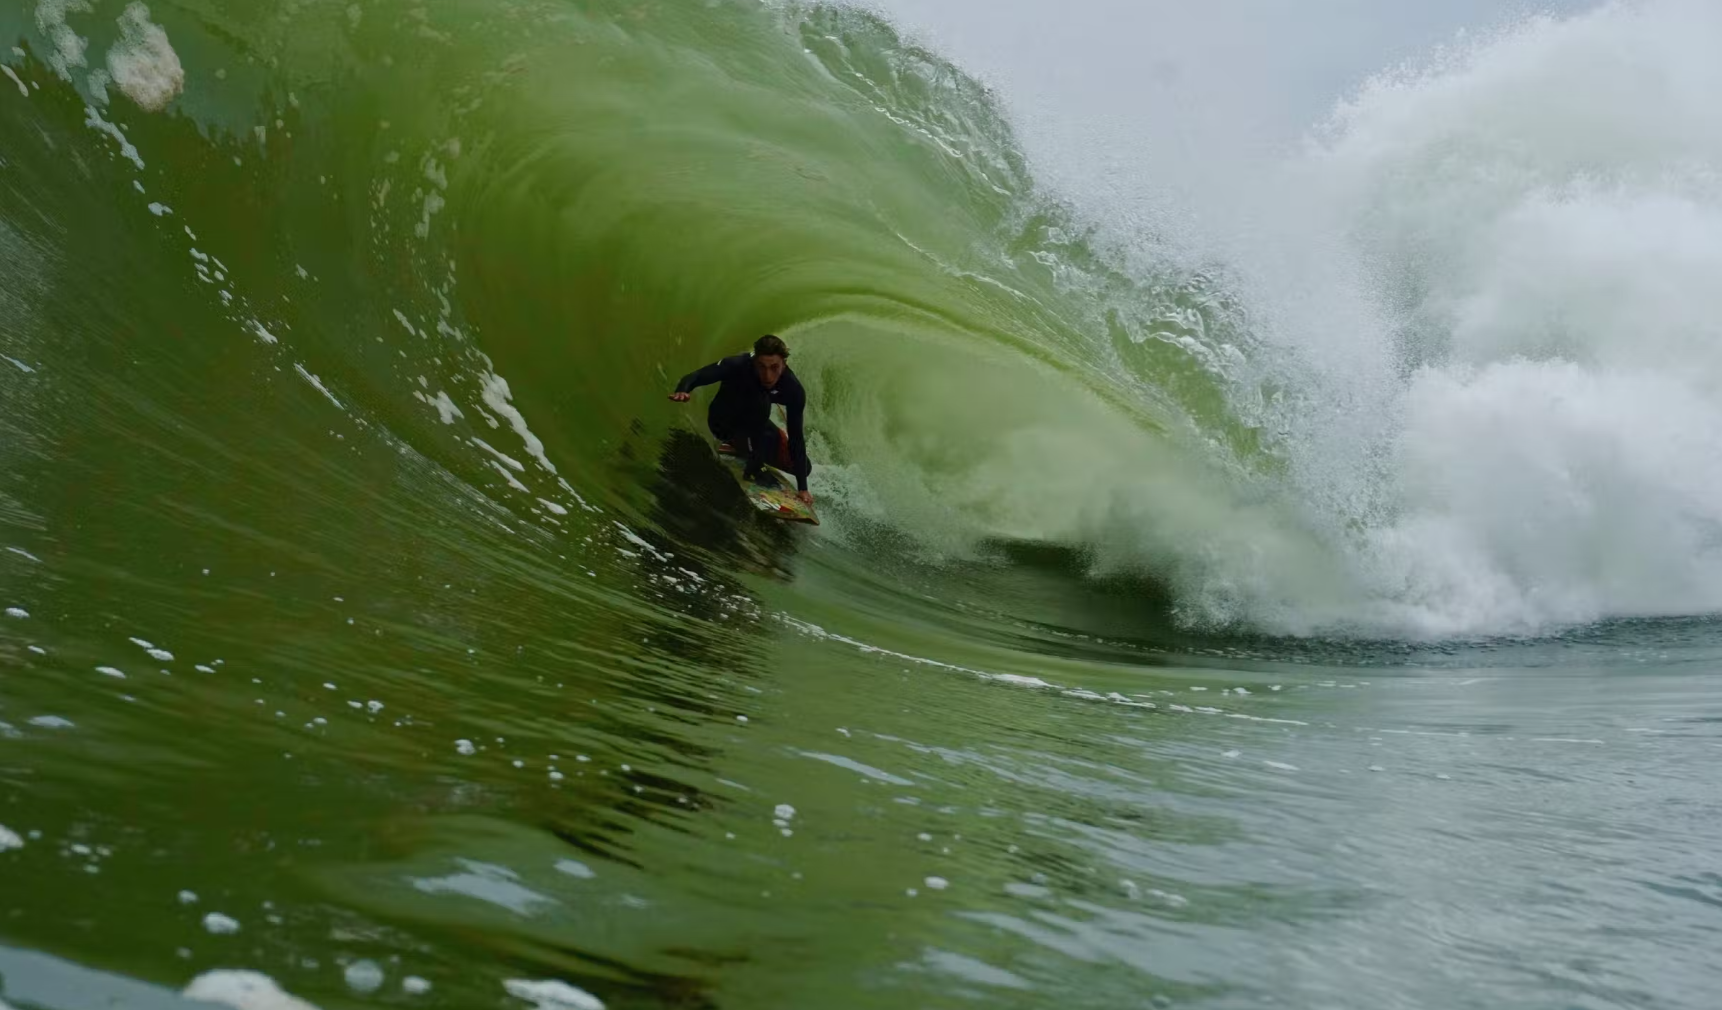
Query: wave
point(1509, 371)
point(1458, 384)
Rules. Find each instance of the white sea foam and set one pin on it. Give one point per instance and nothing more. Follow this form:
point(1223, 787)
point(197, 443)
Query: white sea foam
point(142, 63)
point(243, 990)
point(68, 45)
point(551, 994)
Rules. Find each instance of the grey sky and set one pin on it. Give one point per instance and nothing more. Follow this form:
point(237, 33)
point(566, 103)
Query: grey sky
point(1171, 100)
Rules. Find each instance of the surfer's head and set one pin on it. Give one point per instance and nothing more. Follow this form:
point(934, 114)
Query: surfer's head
point(769, 358)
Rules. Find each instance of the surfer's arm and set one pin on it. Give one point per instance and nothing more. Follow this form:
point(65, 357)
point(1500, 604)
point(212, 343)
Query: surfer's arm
point(717, 371)
point(793, 412)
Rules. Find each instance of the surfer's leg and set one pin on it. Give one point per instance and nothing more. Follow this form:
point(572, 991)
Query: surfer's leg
point(724, 429)
point(765, 442)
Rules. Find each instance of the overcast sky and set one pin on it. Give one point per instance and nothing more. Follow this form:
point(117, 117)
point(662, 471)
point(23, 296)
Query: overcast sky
point(1110, 94)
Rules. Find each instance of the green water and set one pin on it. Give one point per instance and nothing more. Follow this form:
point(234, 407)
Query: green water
point(366, 589)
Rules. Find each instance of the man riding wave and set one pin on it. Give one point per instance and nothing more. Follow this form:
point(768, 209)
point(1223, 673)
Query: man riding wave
point(740, 413)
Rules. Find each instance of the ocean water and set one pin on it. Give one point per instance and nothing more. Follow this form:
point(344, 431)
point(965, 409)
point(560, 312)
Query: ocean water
point(1306, 603)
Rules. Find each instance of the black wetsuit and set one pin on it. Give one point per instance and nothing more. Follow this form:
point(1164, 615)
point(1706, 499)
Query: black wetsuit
point(740, 413)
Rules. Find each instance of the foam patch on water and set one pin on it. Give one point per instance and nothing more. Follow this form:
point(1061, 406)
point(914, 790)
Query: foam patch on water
point(98, 85)
point(497, 396)
point(243, 990)
point(8, 71)
point(364, 977)
point(94, 121)
point(513, 464)
point(220, 925)
point(507, 476)
point(317, 384)
point(1018, 680)
point(974, 970)
point(851, 764)
point(433, 204)
point(9, 839)
point(68, 45)
point(550, 994)
point(487, 882)
point(641, 542)
point(445, 408)
point(142, 63)
point(564, 485)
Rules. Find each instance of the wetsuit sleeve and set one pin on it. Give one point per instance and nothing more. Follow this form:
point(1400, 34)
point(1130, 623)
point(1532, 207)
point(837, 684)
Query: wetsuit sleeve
point(798, 438)
point(717, 371)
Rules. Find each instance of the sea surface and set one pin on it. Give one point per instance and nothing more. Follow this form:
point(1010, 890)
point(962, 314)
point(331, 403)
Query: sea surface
point(1320, 616)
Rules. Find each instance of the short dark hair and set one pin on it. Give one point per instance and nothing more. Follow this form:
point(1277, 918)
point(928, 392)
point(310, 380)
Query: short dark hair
point(770, 344)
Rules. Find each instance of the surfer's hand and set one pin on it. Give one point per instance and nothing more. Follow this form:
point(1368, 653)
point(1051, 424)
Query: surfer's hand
point(681, 397)
point(806, 496)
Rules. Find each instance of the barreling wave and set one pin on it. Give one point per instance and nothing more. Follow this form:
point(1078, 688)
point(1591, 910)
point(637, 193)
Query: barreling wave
point(491, 235)
point(495, 235)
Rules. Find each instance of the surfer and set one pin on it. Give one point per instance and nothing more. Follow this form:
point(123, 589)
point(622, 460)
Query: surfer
point(740, 413)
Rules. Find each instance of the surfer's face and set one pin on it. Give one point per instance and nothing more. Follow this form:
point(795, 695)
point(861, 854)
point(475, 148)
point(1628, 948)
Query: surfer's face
point(768, 367)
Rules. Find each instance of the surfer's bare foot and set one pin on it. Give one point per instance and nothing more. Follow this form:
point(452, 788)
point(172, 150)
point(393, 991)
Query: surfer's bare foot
point(806, 496)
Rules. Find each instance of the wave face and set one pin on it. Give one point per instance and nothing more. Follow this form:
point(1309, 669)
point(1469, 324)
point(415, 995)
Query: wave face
point(1456, 384)
point(494, 240)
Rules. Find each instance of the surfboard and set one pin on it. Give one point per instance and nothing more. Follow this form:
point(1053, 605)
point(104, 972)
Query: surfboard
point(776, 497)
